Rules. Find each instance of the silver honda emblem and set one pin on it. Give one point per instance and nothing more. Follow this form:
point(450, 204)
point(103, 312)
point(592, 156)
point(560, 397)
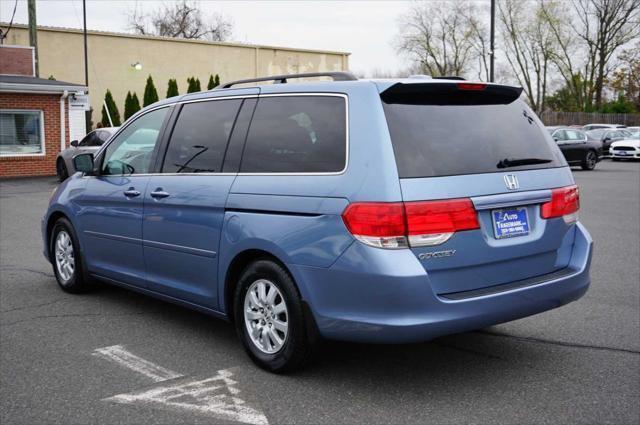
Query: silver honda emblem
point(511, 181)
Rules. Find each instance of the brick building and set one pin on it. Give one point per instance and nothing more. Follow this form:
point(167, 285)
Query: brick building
point(38, 117)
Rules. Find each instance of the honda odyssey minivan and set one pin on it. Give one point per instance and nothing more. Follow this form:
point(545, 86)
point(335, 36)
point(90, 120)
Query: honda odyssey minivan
point(386, 211)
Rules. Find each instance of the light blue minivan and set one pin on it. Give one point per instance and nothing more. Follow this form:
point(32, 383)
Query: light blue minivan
point(380, 211)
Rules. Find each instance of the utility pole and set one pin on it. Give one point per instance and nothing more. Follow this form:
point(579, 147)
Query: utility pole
point(86, 61)
point(492, 47)
point(33, 33)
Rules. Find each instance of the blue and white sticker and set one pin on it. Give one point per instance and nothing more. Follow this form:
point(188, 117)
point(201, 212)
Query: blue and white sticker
point(510, 222)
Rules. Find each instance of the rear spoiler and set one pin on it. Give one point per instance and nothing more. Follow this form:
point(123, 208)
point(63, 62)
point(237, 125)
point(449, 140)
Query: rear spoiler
point(458, 93)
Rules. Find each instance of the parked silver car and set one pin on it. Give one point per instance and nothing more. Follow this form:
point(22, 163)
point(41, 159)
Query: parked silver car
point(90, 143)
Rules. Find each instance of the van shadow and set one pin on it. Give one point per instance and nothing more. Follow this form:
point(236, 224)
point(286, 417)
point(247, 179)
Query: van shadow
point(472, 358)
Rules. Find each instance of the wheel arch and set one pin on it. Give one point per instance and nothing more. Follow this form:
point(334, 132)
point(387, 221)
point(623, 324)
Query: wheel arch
point(51, 221)
point(237, 265)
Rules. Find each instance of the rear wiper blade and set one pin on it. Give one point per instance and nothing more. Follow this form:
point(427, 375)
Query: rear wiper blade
point(510, 162)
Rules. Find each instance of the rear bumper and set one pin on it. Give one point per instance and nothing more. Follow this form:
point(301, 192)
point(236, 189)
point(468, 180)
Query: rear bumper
point(372, 295)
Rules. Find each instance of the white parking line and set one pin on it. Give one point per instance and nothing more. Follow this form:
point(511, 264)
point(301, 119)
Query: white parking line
point(216, 396)
point(118, 354)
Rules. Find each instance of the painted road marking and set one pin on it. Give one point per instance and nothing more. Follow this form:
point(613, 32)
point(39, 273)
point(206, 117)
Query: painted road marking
point(118, 354)
point(217, 396)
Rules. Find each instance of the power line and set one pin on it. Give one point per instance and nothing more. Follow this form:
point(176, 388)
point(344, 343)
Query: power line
point(3, 36)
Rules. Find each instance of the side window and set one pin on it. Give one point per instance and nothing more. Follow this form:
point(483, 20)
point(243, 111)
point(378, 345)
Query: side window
point(87, 140)
point(131, 151)
point(102, 137)
point(199, 139)
point(574, 135)
point(296, 134)
point(560, 135)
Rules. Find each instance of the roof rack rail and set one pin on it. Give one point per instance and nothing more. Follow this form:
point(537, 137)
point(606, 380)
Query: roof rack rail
point(282, 79)
point(449, 77)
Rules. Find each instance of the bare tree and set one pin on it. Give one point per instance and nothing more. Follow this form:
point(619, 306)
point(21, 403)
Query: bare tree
point(439, 36)
point(605, 26)
point(529, 47)
point(589, 33)
point(182, 19)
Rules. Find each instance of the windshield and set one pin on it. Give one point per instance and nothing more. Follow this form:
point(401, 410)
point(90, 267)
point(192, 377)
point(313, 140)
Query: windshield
point(441, 140)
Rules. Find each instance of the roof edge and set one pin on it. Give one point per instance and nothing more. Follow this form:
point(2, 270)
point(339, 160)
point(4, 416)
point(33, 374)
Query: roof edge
point(178, 40)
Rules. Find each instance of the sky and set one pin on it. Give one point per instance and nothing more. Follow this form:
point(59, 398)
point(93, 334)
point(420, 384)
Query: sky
point(365, 29)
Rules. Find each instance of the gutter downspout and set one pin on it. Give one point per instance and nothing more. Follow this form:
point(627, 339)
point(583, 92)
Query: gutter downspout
point(63, 126)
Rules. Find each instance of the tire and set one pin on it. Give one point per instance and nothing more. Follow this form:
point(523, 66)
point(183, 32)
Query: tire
point(589, 161)
point(61, 170)
point(296, 345)
point(65, 249)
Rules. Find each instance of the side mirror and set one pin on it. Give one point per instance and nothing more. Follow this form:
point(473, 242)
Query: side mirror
point(74, 143)
point(555, 139)
point(83, 163)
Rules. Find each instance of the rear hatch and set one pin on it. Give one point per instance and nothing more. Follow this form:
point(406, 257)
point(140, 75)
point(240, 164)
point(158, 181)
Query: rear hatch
point(483, 147)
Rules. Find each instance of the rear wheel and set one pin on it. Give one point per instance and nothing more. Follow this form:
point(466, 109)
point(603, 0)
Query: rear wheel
point(66, 258)
point(61, 170)
point(269, 318)
point(589, 161)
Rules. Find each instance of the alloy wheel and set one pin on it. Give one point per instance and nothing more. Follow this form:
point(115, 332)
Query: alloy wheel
point(265, 316)
point(65, 259)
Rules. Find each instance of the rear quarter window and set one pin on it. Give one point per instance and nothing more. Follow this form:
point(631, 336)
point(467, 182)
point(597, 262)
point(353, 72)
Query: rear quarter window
point(297, 134)
point(440, 140)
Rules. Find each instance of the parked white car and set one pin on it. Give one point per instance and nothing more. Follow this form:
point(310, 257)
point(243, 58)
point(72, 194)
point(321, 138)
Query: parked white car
point(626, 149)
point(590, 127)
point(90, 143)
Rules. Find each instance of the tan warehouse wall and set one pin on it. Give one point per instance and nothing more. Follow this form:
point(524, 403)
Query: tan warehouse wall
point(111, 56)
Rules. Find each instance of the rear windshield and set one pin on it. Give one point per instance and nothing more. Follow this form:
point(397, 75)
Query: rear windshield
point(444, 140)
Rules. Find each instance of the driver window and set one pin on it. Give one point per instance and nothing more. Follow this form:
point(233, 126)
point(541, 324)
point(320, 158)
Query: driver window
point(131, 151)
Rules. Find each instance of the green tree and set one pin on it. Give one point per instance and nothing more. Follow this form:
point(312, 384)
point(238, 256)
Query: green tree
point(127, 106)
point(135, 102)
point(619, 106)
point(172, 89)
point(193, 85)
point(113, 111)
point(150, 93)
point(213, 82)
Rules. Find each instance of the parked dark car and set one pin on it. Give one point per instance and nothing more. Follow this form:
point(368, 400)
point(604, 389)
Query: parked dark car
point(607, 136)
point(576, 147)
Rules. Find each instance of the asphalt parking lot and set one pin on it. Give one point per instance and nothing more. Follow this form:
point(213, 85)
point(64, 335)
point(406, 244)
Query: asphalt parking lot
point(113, 356)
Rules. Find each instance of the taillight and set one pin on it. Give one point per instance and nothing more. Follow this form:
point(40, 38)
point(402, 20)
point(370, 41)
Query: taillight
point(399, 225)
point(565, 203)
point(471, 86)
point(378, 224)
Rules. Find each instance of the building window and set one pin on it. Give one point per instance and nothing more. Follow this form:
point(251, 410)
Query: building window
point(21, 133)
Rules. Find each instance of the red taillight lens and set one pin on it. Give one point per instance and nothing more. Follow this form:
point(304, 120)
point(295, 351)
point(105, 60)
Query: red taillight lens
point(394, 225)
point(471, 86)
point(448, 216)
point(375, 219)
point(564, 201)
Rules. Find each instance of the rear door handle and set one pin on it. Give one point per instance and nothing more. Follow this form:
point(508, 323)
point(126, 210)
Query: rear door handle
point(159, 193)
point(131, 192)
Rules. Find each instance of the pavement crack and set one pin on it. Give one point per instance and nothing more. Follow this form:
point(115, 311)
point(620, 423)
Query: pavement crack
point(24, 269)
point(560, 343)
point(26, 307)
point(62, 316)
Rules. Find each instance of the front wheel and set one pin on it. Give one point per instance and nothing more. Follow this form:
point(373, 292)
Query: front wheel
point(589, 161)
point(269, 318)
point(66, 258)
